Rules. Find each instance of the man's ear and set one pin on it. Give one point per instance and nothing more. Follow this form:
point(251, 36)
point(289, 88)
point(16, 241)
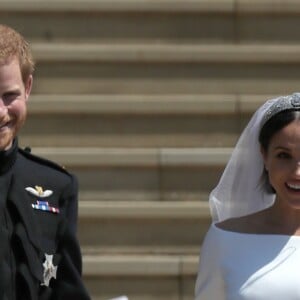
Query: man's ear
point(28, 86)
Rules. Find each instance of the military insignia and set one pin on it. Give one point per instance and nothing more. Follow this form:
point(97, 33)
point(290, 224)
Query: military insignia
point(44, 205)
point(38, 191)
point(49, 270)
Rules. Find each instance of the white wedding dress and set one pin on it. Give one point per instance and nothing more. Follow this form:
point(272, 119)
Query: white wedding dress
point(242, 266)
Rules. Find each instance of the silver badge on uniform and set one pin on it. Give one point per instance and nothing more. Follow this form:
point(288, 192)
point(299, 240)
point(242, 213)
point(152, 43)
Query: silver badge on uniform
point(49, 269)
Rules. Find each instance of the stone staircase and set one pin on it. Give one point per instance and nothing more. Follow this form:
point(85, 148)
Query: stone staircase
point(143, 100)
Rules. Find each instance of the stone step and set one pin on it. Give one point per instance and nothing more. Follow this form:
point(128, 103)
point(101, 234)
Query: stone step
point(130, 249)
point(139, 157)
point(213, 21)
point(118, 6)
point(168, 173)
point(137, 120)
point(125, 248)
point(141, 277)
point(223, 6)
point(144, 104)
point(143, 210)
point(244, 79)
point(166, 52)
point(166, 69)
point(119, 20)
point(144, 250)
point(143, 226)
point(141, 195)
point(130, 131)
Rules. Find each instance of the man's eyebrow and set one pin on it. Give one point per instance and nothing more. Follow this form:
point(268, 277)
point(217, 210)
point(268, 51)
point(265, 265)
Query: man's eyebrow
point(11, 91)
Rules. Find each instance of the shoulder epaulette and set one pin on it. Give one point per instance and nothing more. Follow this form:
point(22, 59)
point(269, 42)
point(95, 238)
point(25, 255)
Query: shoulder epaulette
point(27, 153)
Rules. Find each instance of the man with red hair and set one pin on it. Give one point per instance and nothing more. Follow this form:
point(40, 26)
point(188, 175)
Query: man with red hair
point(40, 256)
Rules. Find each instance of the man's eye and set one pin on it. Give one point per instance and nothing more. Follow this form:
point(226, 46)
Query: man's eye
point(9, 97)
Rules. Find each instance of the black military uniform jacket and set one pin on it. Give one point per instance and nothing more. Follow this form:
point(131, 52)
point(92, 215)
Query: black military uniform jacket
point(40, 257)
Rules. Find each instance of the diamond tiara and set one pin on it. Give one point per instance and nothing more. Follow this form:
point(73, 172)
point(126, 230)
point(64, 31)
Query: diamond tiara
point(284, 103)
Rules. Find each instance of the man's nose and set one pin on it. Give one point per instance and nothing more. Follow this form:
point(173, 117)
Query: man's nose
point(3, 108)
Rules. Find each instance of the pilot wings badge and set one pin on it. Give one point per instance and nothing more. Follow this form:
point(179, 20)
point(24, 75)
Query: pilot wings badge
point(39, 192)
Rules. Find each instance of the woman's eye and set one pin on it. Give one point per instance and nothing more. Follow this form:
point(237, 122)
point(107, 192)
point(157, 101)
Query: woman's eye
point(283, 155)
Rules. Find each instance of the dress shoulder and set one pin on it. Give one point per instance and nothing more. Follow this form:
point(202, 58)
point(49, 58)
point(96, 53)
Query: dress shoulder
point(209, 283)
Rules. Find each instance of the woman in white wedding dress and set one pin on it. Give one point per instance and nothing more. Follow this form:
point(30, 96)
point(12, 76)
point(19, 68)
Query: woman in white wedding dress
point(252, 248)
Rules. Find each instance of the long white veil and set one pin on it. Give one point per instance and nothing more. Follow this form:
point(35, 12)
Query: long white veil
point(239, 191)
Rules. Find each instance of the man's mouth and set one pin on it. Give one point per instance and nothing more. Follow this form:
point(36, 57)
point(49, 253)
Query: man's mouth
point(4, 125)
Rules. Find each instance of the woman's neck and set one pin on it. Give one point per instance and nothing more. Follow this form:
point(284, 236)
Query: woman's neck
point(284, 217)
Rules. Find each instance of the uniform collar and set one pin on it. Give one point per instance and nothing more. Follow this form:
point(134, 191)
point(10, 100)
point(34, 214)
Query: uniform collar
point(8, 157)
